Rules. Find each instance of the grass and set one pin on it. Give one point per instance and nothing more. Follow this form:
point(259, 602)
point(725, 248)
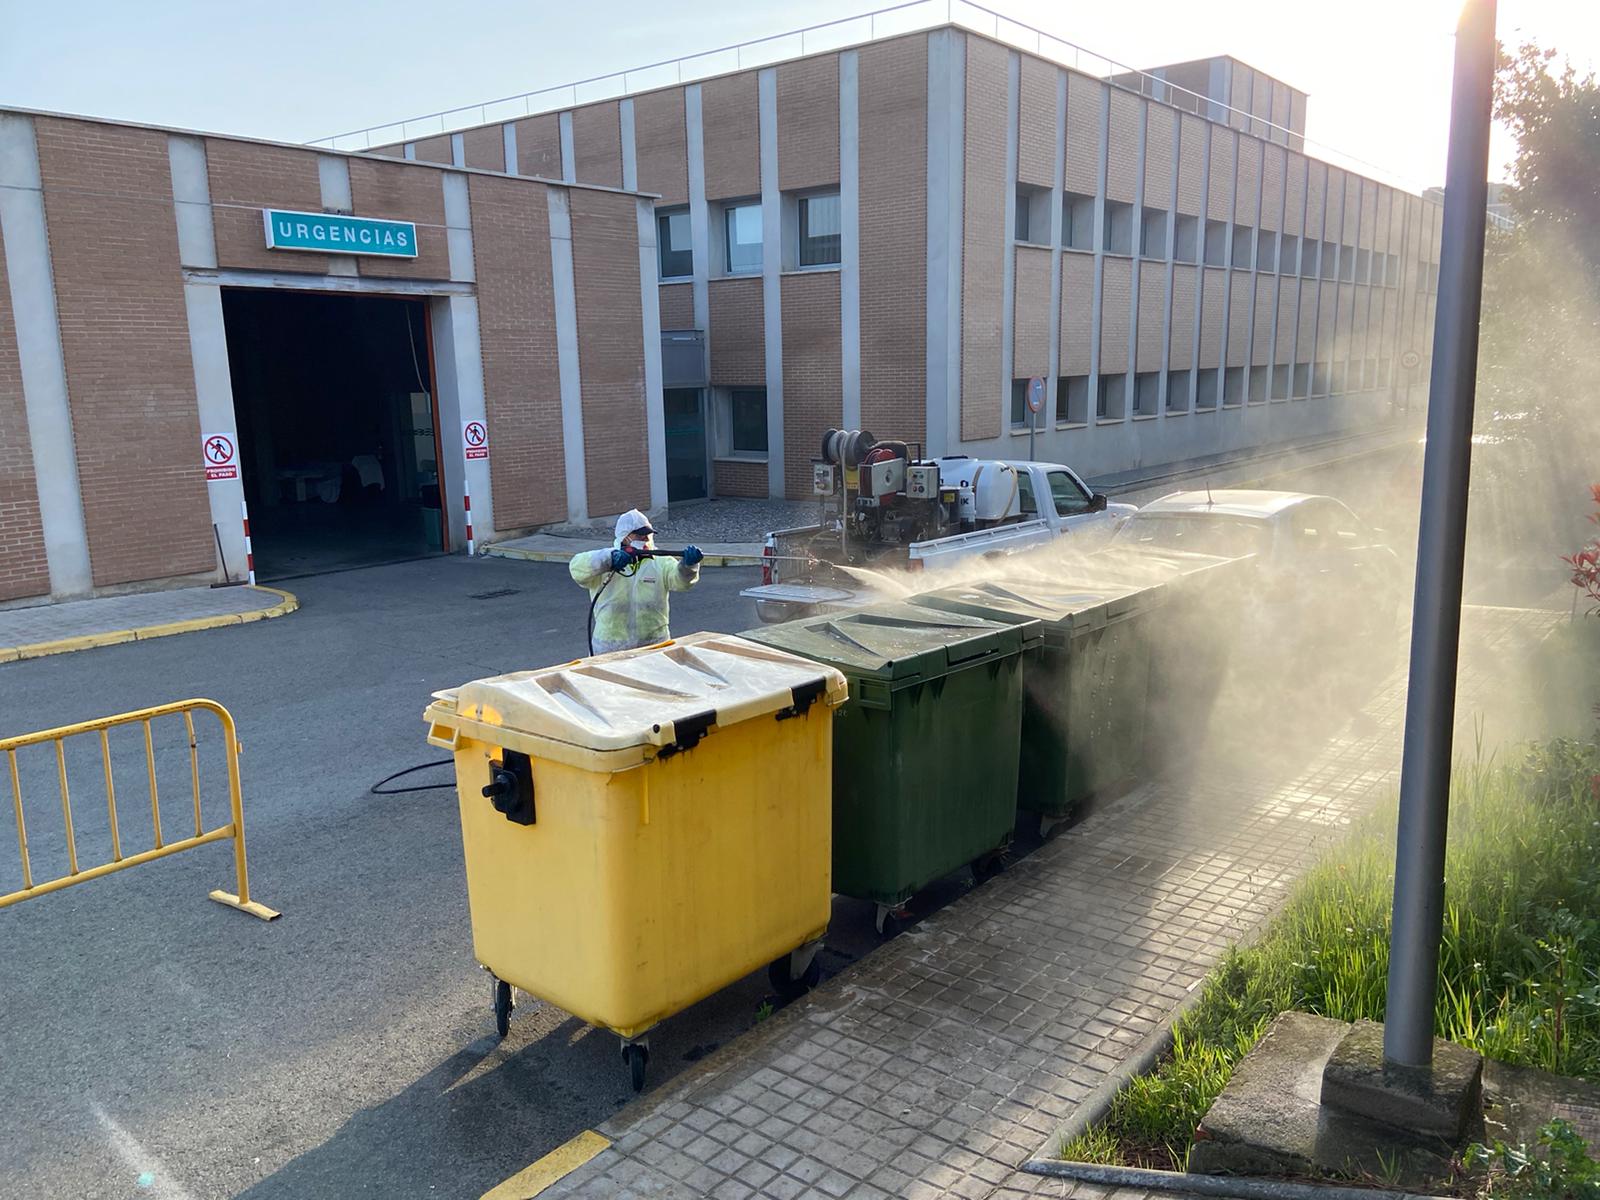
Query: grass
point(1519, 972)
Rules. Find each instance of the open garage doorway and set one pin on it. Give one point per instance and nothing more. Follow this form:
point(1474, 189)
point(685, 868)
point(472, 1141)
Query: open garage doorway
point(338, 436)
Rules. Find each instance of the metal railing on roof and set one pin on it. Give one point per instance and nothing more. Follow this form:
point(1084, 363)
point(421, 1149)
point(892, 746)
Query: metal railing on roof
point(909, 17)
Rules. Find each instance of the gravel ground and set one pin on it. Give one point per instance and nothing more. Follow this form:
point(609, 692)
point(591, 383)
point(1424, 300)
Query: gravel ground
point(713, 521)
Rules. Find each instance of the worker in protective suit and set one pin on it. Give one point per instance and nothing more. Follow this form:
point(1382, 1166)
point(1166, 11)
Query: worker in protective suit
point(628, 588)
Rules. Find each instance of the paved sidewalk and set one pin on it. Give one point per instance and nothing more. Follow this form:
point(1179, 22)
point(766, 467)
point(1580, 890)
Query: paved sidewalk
point(106, 620)
point(940, 1064)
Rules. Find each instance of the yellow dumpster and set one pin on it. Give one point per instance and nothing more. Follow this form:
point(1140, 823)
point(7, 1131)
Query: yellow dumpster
point(643, 828)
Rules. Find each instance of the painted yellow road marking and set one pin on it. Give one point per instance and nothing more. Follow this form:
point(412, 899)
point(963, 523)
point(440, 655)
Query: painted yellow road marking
point(558, 1164)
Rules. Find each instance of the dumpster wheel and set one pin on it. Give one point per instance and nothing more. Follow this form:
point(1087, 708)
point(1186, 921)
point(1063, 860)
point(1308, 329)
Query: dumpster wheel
point(637, 1056)
point(890, 919)
point(987, 866)
point(501, 991)
point(790, 986)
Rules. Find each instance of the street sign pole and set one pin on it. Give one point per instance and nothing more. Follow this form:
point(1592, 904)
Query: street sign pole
point(1035, 403)
point(1441, 546)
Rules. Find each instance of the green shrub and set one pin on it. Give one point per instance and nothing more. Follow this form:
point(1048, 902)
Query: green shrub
point(1558, 1169)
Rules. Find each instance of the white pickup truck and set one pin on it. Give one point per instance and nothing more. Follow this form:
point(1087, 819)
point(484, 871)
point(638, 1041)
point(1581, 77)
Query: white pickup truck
point(809, 568)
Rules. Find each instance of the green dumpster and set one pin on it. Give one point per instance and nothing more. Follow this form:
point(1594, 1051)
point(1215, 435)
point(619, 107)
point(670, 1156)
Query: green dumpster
point(1193, 645)
point(925, 750)
point(1086, 684)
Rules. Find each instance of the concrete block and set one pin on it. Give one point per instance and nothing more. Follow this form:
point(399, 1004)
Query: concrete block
point(1442, 1100)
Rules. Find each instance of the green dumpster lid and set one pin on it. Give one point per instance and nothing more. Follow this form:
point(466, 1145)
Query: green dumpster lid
point(1064, 605)
point(619, 710)
point(895, 640)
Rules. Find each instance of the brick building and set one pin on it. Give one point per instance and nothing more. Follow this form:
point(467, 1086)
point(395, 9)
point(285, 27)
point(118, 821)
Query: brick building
point(670, 295)
point(898, 235)
point(170, 347)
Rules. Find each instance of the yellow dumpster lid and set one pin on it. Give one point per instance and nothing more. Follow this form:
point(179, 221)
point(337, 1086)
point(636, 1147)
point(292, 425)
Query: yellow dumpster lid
point(619, 710)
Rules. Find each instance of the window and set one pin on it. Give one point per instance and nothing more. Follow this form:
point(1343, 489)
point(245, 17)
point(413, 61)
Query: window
point(1113, 395)
point(1033, 215)
point(1205, 391)
point(1147, 393)
point(1242, 247)
point(1069, 498)
point(1319, 379)
point(1077, 222)
point(1119, 228)
point(1072, 399)
point(1233, 386)
point(1347, 265)
point(1186, 239)
point(1302, 380)
point(673, 244)
point(1289, 254)
point(747, 422)
point(1280, 381)
point(820, 230)
point(1330, 259)
point(1392, 275)
point(1369, 374)
point(1336, 379)
point(1308, 258)
point(1384, 378)
point(1025, 501)
point(1021, 418)
point(1266, 250)
point(741, 225)
point(1153, 233)
point(1260, 379)
point(1177, 391)
point(1364, 266)
point(1216, 243)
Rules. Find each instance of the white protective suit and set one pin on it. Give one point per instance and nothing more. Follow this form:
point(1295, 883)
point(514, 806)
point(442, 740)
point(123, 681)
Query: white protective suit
point(632, 609)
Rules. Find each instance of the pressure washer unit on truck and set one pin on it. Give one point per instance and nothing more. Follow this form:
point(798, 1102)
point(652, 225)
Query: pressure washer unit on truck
point(882, 494)
point(884, 505)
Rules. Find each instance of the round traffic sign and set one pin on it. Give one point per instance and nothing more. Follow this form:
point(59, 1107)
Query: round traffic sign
point(1035, 394)
point(218, 450)
point(1411, 360)
point(476, 434)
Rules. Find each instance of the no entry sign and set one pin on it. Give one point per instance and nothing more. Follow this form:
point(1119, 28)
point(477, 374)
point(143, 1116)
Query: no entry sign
point(475, 437)
point(219, 456)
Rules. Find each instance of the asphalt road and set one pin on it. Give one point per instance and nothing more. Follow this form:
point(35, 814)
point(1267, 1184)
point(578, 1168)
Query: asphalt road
point(155, 1044)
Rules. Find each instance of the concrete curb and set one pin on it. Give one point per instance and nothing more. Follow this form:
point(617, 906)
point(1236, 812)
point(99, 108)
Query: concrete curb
point(287, 603)
point(711, 559)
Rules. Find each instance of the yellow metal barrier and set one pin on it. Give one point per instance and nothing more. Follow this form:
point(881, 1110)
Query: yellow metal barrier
point(234, 829)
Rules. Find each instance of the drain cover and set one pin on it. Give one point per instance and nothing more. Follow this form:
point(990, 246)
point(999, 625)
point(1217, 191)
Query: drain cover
point(494, 595)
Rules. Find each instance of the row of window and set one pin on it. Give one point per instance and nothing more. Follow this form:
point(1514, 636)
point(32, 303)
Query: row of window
point(1204, 387)
point(1259, 249)
point(737, 236)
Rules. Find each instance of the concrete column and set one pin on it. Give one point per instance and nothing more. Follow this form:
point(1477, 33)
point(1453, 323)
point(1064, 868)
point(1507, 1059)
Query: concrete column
point(1316, 319)
point(1172, 272)
point(654, 406)
point(409, 150)
point(772, 273)
point(1057, 224)
point(947, 87)
point(1099, 256)
point(333, 175)
point(850, 237)
point(508, 137)
point(1008, 264)
point(569, 164)
point(458, 150)
point(458, 228)
point(630, 162)
point(1137, 233)
point(208, 341)
point(1200, 255)
point(566, 298)
point(1231, 184)
point(458, 362)
point(43, 369)
point(699, 212)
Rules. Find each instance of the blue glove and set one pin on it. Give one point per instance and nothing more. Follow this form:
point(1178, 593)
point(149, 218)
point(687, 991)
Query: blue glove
point(619, 559)
point(692, 556)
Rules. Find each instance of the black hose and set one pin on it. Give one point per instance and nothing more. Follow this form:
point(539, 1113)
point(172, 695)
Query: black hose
point(378, 789)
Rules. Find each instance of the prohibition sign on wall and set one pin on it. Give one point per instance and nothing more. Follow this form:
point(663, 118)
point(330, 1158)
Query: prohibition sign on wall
point(217, 452)
point(476, 438)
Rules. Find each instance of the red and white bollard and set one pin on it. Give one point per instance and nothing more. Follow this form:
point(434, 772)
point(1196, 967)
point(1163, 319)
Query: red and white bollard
point(472, 548)
point(249, 554)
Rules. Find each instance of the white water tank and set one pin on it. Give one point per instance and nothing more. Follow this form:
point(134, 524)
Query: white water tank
point(992, 484)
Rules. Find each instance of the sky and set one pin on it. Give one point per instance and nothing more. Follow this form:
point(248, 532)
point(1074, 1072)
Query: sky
point(1377, 71)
